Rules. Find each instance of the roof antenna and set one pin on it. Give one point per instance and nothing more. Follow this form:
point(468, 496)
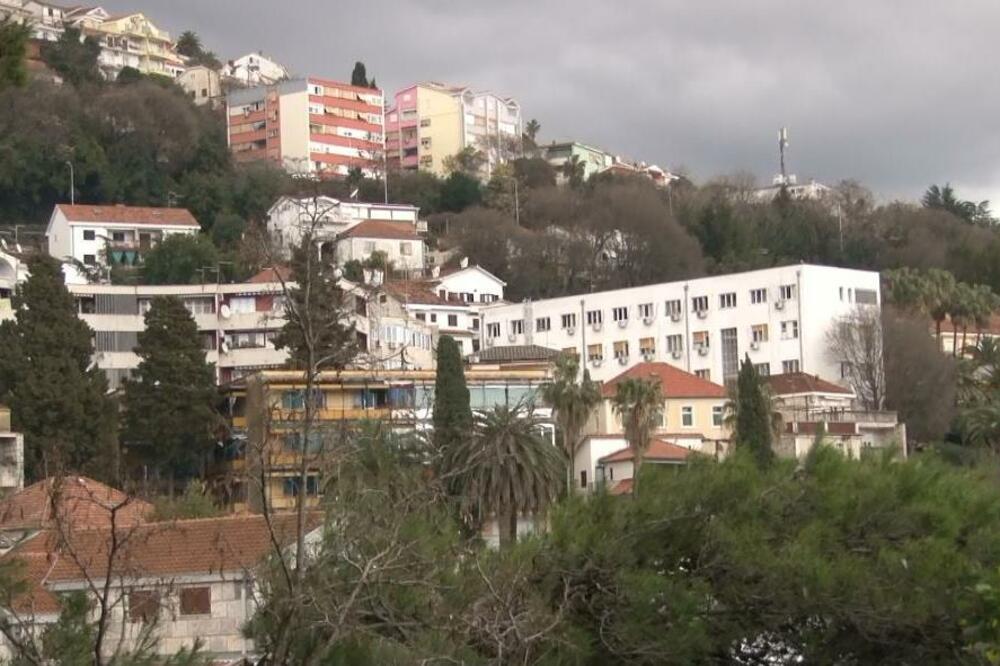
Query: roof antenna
point(782, 144)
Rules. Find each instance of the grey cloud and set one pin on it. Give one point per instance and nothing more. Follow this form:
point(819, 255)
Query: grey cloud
point(897, 95)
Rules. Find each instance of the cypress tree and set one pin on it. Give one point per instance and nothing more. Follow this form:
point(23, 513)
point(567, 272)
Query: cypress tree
point(753, 415)
point(170, 403)
point(58, 398)
point(452, 412)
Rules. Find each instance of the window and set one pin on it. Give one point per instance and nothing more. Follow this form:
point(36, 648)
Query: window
point(204, 92)
point(143, 606)
point(422, 316)
point(200, 305)
point(369, 247)
point(790, 366)
point(699, 304)
point(687, 416)
point(595, 352)
point(786, 292)
point(89, 259)
point(845, 369)
point(672, 308)
point(475, 324)
point(619, 314)
point(583, 478)
point(621, 348)
point(789, 330)
point(542, 324)
point(118, 236)
point(493, 330)
point(866, 296)
point(291, 485)
point(763, 369)
point(453, 320)
point(727, 300)
point(569, 320)
point(571, 351)
point(517, 327)
point(647, 346)
point(296, 399)
point(717, 416)
point(758, 332)
point(594, 317)
point(700, 339)
point(405, 248)
point(758, 296)
point(89, 234)
point(675, 343)
point(646, 310)
point(704, 373)
point(434, 319)
point(196, 601)
point(425, 122)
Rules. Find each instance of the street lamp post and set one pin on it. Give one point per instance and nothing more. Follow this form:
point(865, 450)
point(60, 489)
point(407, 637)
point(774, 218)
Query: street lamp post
point(72, 186)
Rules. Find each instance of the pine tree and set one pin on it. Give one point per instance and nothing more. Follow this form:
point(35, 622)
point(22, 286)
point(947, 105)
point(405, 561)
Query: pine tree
point(318, 331)
point(452, 411)
point(170, 403)
point(58, 399)
point(753, 415)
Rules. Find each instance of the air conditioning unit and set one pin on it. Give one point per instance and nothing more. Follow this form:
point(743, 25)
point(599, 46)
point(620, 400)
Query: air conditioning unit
point(622, 359)
point(596, 326)
point(677, 353)
point(648, 355)
point(779, 305)
point(701, 313)
point(622, 323)
point(647, 321)
point(675, 316)
point(754, 345)
point(596, 362)
point(489, 342)
point(571, 330)
point(511, 337)
point(702, 350)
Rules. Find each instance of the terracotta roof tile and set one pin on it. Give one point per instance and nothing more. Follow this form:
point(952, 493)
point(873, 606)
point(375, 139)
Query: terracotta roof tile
point(800, 382)
point(77, 500)
point(272, 275)
point(165, 217)
point(419, 292)
point(516, 353)
point(658, 450)
point(674, 382)
point(382, 229)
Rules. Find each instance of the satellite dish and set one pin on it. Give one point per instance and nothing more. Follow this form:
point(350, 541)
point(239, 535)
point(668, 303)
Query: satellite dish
point(225, 346)
point(224, 311)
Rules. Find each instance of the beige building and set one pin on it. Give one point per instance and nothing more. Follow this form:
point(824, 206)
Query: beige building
point(128, 40)
point(693, 418)
point(203, 85)
point(430, 122)
point(46, 18)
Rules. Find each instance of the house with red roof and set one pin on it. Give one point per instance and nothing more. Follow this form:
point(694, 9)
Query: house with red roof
point(399, 242)
point(692, 419)
point(112, 234)
point(617, 470)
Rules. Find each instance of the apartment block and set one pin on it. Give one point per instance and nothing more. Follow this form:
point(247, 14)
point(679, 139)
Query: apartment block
point(237, 324)
point(780, 317)
point(45, 18)
point(127, 40)
point(431, 121)
point(202, 84)
point(254, 69)
point(12, 271)
point(594, 159)
point(308, 126)
point(267, 407)
point(116, 234)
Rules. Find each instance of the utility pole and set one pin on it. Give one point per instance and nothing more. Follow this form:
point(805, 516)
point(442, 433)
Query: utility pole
point(782, 144)
point(72, 184)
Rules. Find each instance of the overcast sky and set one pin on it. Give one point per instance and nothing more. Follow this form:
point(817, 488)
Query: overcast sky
point(895, 94)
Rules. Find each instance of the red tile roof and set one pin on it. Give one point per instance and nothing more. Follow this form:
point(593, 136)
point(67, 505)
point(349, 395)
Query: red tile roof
point(118, 214)
point(206, 546)
point(272, 275)
point(623, 487)
point(799, 382)
point(382, 229)
point(75, 500)
point(417, 291)
point(658, 450)
point(674, 382)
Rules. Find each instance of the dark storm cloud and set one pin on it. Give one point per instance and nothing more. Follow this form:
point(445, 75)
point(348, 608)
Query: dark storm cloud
point(895, 94)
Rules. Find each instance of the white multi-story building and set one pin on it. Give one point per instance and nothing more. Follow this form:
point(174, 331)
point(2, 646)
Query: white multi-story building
point(45, 18)
point(12, 271)
point(451, 302)
point(254, 69)
point(115, 234)
point(780, 317)
point(237, 324)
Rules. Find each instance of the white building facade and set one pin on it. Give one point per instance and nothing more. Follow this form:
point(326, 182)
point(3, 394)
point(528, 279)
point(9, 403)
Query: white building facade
point(102, 235)
point(780, 317)
point(45, 18)
point(254, 69)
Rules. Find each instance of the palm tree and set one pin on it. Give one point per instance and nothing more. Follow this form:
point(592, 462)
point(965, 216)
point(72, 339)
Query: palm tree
point(531, 129)
point(505, 469)
point(639, 404)
point(987, 303)
point(980, 426)
point(938, 286)
point(572, 404)
point(961, 308)
point(574, 170)
point(906, 288)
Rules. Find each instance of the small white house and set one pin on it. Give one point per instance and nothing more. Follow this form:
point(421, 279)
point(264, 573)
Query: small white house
point(115, 234)
point(254, 69)
point(398, 241)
